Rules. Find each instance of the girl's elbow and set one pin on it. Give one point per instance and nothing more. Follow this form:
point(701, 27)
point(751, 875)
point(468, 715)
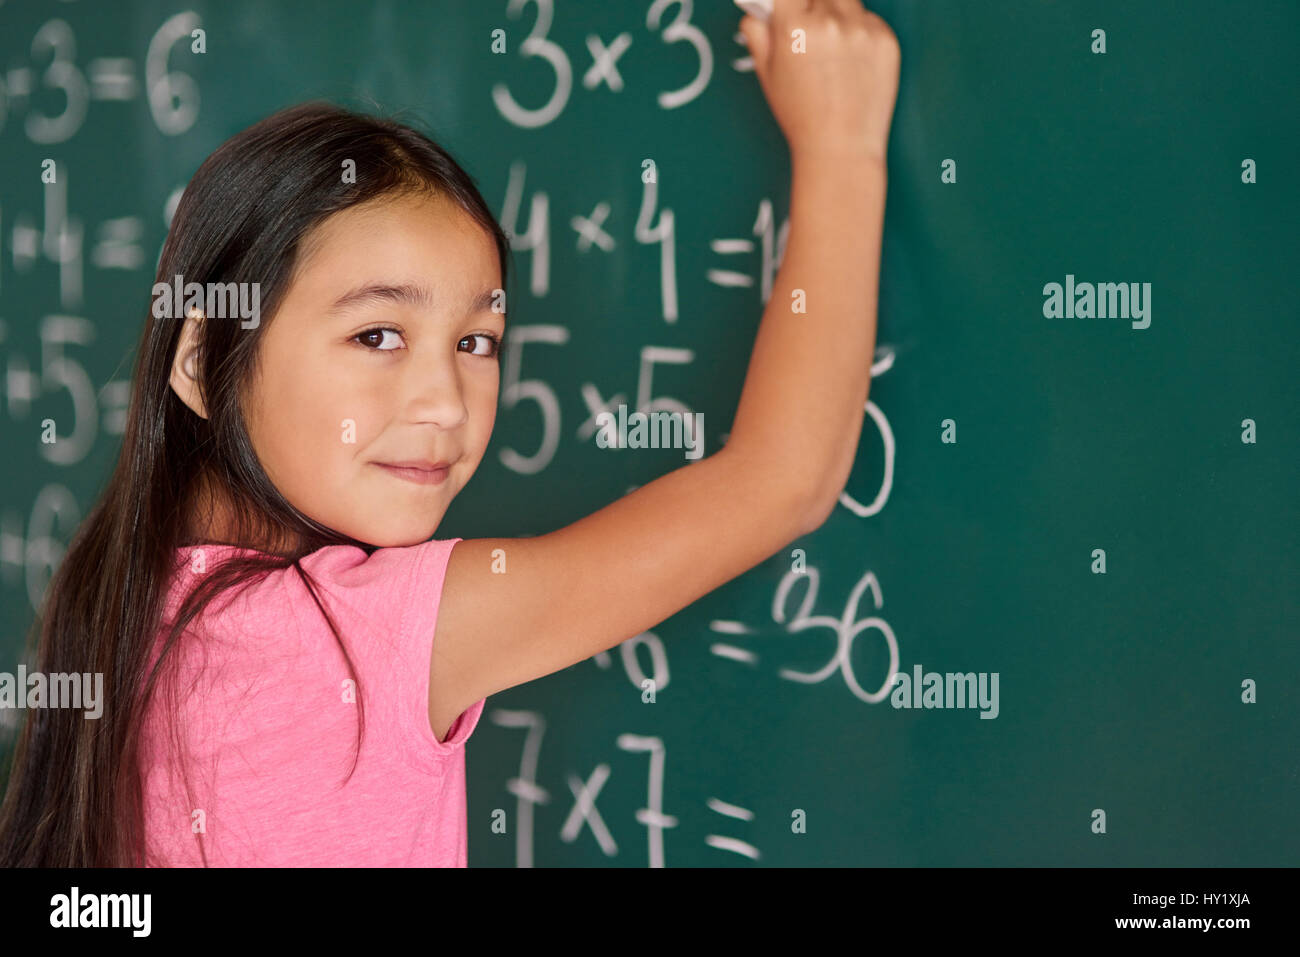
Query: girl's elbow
point(817, 511)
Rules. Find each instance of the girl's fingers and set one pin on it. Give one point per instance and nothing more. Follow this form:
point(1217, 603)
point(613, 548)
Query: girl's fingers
point(846, 10)
point(784, 9)
point(757, 40)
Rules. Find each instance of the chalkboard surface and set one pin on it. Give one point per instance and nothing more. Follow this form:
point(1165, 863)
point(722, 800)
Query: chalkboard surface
point(1074, 506)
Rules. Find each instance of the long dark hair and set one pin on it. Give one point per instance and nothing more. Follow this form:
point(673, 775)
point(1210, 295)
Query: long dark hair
point(75, 793)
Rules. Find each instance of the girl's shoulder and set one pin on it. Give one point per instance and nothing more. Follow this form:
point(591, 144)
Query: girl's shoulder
point(381, 581)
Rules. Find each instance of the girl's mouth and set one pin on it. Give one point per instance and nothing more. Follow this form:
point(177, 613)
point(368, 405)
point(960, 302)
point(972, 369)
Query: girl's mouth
point(420, 476)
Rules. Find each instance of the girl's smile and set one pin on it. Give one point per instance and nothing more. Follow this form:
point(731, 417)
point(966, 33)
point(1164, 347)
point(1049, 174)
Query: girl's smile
point(418, 475)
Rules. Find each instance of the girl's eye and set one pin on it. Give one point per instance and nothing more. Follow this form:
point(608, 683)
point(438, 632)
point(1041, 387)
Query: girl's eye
point(373, 339)
point(491, 344)
point(365, 338)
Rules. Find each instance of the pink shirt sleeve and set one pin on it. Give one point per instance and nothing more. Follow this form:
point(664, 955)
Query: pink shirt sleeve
point(399, 590)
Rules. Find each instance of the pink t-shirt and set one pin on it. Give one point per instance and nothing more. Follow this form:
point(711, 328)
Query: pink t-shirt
point(269, 721)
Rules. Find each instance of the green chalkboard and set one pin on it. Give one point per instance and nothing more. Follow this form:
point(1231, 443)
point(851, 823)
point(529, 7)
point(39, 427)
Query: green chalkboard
point(1098, 511)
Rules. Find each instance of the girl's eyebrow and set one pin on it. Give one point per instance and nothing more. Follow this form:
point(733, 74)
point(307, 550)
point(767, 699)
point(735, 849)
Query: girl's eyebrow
point(404, 294)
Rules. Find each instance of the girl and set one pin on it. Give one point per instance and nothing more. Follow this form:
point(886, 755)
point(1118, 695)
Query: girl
point(292, 664)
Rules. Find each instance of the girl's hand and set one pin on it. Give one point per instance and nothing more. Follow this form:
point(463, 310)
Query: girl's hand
point(835, 100)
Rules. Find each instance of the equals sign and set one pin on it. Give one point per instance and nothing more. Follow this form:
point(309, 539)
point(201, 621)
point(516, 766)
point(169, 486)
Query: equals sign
point(111, 78)
point(724, 650)
point(729, 277)
point(114, 398)
point(118, 245)
point(731, 843)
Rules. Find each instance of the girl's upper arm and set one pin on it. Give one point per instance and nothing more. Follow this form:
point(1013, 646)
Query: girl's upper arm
point(515, 609)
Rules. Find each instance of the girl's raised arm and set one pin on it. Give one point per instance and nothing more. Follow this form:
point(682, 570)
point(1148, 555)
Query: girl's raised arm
point(582, 589)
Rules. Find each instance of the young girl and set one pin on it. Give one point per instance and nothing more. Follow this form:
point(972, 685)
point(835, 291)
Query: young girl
point(292, 664)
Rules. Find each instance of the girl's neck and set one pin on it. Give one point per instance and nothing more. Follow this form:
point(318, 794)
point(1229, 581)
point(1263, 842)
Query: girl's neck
point(210, 519)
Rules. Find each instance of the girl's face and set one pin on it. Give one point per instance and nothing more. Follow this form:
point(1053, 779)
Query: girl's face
point(383, 351)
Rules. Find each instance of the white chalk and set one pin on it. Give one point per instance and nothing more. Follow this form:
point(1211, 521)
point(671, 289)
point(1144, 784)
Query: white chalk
point(756, 8)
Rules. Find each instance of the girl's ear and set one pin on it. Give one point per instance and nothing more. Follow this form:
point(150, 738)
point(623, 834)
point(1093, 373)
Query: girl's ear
point(185, 366)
